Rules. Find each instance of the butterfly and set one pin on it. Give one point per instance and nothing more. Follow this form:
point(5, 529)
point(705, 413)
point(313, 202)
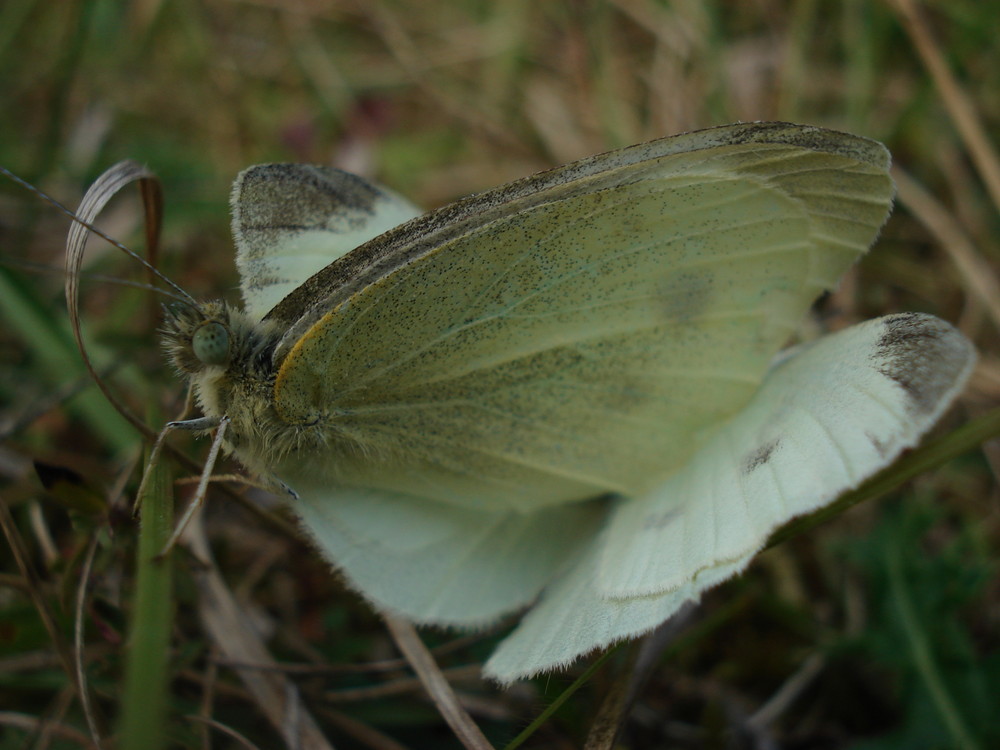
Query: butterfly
point(564, 392)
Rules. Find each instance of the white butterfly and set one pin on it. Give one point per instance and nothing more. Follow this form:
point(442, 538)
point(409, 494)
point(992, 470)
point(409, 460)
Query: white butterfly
point(564, 385)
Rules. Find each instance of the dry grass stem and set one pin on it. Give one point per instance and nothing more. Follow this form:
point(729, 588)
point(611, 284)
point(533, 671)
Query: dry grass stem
point(958, 103)
point(977, 274)
point(440, 691)
point(235, 638)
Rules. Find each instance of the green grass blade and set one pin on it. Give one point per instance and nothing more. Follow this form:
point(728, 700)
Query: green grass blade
point(146, 676)
point(922, 652)
point(60, 362)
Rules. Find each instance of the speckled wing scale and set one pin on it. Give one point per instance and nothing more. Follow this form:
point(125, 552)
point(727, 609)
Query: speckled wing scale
point(826, 418)
point(281, 242)
point(464, 400)
point(581, 331)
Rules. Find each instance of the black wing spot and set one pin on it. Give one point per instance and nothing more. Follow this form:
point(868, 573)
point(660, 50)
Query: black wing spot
point(911, 351)
point(880, 447)
point(760, 456)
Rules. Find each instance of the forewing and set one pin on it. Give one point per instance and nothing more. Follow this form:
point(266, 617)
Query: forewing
point(291, 220)
point(583, 331)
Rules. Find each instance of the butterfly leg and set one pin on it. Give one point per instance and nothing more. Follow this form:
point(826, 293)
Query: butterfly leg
point(273, 483)
point(200, 425)
point(154, 454)
point(206, 474)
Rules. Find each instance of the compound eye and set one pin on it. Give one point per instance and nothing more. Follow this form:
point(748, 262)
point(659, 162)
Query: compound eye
point(210, 343)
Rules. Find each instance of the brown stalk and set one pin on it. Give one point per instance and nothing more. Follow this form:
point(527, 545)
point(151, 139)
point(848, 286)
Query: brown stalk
point(440, 691)
point(956, 101)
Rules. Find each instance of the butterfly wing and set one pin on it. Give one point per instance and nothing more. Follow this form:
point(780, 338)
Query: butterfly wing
point(825, 419)
point(439, 563)
point(579, 332)
point(280, 242)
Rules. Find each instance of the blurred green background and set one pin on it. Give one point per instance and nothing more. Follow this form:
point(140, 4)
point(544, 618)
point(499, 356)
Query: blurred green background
point(879, 629)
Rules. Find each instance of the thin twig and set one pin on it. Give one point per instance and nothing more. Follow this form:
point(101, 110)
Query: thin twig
point(564, 696)
point(230, 630)
point(23, 560)
point(978, 276)
point(208, 699)
point(399, 687)
point(465, 729)
point(81, 681)
point(34, 724)
point(228, 731)
point(956, 101)
point(411, 60)
point(382, 665)
point(617, 704)
point(360, 731)
point(791, 689)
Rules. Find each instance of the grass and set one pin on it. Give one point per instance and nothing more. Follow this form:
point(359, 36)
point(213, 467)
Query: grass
point(876, 629)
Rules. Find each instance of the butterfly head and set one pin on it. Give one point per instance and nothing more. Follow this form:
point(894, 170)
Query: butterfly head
point(226, 356)
point(198, 337)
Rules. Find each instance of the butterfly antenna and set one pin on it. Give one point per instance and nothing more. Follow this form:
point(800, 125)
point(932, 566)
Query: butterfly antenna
point(178, 293)
point(43, 268)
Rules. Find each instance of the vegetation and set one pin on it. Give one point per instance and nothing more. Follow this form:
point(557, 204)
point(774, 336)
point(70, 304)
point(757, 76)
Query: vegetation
point(877, 629)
